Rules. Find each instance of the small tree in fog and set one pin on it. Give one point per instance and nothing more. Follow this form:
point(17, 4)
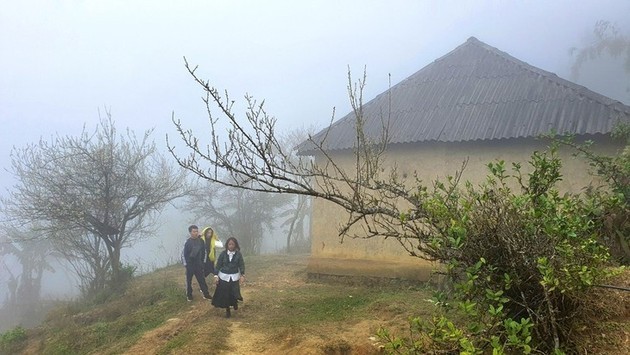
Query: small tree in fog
point(97, 190)
point(247, 215)
point(87, 257)
point(296, 216)
point(33, 254)
point(295, 219)
point(609, 42)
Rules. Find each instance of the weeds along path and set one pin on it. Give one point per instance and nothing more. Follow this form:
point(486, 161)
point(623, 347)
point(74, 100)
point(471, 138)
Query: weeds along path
point(151, 342)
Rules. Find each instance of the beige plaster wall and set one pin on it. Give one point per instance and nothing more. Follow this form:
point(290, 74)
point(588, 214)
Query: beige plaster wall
point(430, 161)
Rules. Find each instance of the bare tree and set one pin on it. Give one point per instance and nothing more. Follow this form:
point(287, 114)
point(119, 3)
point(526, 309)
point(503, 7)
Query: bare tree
point(247, 215)
point(257, 160)
point(608, 41)
point(97, 190)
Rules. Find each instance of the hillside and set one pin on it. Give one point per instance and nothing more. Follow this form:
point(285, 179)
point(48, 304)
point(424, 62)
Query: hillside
point(283, 313)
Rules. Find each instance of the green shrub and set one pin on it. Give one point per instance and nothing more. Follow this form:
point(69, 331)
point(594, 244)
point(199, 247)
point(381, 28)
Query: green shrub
point(12, 340)
point(518, 263)
point(613, 200)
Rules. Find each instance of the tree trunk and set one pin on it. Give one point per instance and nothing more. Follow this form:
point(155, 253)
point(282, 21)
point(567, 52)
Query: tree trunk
point(291, 231)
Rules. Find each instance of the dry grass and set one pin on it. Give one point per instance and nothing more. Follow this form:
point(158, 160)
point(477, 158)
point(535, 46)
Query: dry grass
point(604, 327)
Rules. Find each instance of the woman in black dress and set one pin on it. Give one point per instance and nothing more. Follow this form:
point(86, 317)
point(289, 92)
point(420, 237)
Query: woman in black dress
point(229, 274)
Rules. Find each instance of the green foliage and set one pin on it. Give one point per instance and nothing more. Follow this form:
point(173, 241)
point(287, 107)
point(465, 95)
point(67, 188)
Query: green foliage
point(331, 308)
point(116, 287)
point(518, 263)
point(611, 203)
point(12, 340)
point(336, 305)
point(125, 275)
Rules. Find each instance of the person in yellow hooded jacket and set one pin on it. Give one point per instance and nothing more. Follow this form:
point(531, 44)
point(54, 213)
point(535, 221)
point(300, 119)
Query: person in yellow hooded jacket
point(210, 238)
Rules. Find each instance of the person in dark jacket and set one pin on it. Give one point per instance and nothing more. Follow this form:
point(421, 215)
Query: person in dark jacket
point(193, 258)
point(229, 274)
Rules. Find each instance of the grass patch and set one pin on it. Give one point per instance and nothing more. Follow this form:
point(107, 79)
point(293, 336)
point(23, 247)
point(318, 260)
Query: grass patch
point(329, 309)
point(12, 340)
point(176, 343)
point(112, 327)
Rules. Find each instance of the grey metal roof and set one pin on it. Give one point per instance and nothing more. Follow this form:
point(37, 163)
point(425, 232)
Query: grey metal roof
point(477, 92)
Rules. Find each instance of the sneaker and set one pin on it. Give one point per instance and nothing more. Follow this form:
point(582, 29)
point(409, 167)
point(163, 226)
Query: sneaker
point(189, 299)
point(207, 297)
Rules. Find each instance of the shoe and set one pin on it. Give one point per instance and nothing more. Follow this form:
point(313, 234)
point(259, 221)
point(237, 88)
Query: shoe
point(236, 306)
point(189, 299)
point(227, 313)
point(207, 297)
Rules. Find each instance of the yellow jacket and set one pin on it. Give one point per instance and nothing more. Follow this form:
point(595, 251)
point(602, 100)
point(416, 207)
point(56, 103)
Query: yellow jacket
point(210, 246)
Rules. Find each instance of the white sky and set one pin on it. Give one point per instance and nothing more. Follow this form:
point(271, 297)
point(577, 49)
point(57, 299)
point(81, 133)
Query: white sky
point(62, 61)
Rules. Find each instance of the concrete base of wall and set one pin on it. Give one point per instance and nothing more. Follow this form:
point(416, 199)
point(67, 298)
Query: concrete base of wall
point(416, 270)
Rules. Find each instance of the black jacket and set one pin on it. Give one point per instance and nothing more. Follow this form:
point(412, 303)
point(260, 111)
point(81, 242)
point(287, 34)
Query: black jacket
point(194, 253)
point(226, 266)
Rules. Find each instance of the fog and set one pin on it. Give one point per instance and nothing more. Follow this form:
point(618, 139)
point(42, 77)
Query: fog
point(64, 61)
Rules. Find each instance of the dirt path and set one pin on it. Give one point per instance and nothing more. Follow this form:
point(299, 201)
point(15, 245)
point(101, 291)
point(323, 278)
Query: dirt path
point(340, 338)
point(246, 333)
point(243, 339)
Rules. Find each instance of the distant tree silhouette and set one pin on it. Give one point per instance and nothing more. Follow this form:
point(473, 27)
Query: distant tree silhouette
point(608, 41)
point(22, 305)
point(244, 214)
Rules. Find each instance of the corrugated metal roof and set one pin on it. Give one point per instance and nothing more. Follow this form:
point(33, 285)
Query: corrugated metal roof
point(477, 92)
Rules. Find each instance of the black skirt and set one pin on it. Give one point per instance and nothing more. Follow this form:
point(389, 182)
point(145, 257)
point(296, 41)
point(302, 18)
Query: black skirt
point(227, 294)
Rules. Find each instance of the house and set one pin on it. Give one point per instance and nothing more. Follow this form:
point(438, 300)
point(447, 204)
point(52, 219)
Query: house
point(475, 103)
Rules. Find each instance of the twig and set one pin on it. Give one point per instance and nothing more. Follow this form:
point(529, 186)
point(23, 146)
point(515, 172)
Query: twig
point(614, 287)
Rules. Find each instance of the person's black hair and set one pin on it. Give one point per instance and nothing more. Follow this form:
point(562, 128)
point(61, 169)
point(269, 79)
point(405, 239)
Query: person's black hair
point(236, 246)
point(192, 226)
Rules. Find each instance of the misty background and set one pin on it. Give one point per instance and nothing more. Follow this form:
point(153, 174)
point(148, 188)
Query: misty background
point(63, 63)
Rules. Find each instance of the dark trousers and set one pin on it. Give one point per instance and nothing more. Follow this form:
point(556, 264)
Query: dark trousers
point(197, 271)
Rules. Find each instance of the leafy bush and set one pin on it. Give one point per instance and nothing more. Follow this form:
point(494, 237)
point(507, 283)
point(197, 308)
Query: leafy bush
point(518, 263)
point(613, 214)
point(11, 340)
point(127, 272)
